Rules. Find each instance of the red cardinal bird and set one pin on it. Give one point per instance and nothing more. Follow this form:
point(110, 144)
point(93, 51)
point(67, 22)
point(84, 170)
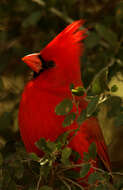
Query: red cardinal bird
point(55, 68)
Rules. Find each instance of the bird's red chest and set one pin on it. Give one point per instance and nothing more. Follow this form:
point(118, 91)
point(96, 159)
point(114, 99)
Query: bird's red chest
point(37, 116)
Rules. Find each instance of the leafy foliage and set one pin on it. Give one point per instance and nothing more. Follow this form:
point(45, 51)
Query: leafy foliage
point(64, 107)
point(27, 26)
point(55, 168)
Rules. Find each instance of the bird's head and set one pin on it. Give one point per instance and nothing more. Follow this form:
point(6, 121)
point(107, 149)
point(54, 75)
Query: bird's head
point(62, 53)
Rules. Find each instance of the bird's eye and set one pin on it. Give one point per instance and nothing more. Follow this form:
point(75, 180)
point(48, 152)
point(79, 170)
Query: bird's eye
point(49, 64)
point(45, 65)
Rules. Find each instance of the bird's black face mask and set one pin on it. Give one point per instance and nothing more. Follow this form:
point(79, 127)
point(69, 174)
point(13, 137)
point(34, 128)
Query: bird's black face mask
point(45, 65)
point(37, 63)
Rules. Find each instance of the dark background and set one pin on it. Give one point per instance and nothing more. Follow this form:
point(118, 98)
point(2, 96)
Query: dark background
point(26, 26)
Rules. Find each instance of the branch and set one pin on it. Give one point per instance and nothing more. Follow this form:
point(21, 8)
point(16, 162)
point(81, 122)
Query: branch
point(117, 173)
point(62, 178)
point(38, 183)
point(100, 72)
point(55, 11)
point(97, 169)
point(109, 173)
point(65, 183)
point(71, 167)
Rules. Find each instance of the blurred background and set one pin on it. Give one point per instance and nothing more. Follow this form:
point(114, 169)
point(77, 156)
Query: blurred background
point(26, 26)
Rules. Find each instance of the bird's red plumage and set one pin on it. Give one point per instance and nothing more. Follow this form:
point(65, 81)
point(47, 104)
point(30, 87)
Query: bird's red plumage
point(37, 118)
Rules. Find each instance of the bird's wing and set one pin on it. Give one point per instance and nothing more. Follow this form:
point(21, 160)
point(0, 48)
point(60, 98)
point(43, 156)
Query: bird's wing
point(94, 134)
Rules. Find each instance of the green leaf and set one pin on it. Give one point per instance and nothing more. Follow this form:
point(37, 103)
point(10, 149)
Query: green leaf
point(66, 152)
point(42, 145)
point(114, 88)
point(118, 120)
point(82, 117)
point(96, 86)
point(92, 151)
point(52, 146)
point(93, 178)
point(46, 146)
point(62, 139)
point(92, 106)
point(45, 187)
point(79, 91)
point(69, 119)
point(34, 157)
point(64, 107)
point(85, 169)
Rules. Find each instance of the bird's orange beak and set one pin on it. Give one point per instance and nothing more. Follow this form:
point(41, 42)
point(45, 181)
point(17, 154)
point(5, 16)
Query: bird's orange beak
point(33, 61)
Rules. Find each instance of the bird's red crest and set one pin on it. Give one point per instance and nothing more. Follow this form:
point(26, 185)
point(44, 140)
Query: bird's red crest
point(68, 39)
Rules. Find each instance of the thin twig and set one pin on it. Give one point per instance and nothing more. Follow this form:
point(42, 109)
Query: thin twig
point(55, 11)
point(117, 173)
point(58, 13)
point(100, 72)
point(71, 167)
point(71, 181)
point(38, 183)
point(97, 169)
point(109, 173)
point(65, 183)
